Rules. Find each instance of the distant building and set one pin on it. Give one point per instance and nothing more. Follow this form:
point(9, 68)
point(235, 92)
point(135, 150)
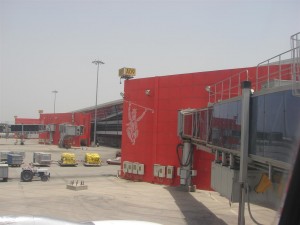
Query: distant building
point(109, 122)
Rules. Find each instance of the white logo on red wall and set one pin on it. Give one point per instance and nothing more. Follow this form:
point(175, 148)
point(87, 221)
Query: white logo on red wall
point(132, 127)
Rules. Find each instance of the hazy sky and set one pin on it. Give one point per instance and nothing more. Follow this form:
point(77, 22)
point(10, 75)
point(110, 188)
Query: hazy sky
point(50, 45)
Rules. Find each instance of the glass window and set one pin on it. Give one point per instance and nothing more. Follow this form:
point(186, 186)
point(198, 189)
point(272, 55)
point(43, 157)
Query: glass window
point(226, 128)
point(273, 125)
point(257, 121)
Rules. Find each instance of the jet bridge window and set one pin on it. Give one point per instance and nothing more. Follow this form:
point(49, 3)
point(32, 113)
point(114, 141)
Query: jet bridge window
point(226, 125)
point(273, 127)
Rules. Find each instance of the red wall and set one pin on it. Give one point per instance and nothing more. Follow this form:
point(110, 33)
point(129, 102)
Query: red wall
point(157, 139)
point(83, 119)
point(26, 121)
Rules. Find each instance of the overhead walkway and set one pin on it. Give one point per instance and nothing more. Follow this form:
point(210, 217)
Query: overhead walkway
point(253, 131)
point(273, 112)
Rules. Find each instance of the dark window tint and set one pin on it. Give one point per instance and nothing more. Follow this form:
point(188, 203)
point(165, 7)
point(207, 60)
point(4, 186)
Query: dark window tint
point(274, 121)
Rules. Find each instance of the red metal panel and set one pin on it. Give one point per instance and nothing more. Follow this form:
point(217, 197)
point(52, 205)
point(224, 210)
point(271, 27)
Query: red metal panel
point(156, 138)
point(78, 119)
point(26, 121)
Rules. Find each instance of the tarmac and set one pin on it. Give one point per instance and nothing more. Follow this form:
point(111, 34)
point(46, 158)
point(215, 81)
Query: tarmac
point(108, 197)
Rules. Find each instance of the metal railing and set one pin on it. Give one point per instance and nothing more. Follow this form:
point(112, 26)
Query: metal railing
point(295, 40)
point(295, 45)
point(280, 70)
point(227, 88)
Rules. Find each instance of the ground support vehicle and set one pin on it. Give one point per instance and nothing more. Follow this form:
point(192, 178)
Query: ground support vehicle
point(116, 161)
point(29, 173)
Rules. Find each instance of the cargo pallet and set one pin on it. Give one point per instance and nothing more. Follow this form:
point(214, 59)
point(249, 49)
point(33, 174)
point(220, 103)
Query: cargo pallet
point(91, 164)
point(67, 164)
point(40, 165)
point(15, 165)
point(12, 164)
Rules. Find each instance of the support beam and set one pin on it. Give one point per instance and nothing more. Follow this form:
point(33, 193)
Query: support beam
point(246, 92)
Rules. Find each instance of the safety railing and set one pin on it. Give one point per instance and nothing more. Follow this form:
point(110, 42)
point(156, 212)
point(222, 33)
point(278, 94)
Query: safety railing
point(295, 45)
point(278, 70)
point(295, 40)
point(227, 88)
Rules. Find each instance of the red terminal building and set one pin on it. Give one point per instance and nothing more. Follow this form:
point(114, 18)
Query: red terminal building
point(151, 135)
point(150, 121)
point(49, 127)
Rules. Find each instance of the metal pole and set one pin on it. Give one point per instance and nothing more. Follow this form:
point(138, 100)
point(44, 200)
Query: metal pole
point(246, 90)
point(55, 92)
point(97, 62)
point(22, 134)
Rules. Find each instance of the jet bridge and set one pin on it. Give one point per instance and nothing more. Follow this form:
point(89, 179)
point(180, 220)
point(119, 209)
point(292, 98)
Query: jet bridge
point(251, 129)
point(20, 130)
point(67, 132)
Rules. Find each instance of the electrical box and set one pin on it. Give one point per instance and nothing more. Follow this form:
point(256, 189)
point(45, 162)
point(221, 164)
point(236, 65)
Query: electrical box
point(170, 172)
point(155, 169)
point(141, 169)
point(162, 171)
point(129, 167)
point(135, 168)
point(125, 166)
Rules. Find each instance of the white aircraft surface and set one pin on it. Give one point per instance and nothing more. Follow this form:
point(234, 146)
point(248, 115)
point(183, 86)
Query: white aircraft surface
point(33, 220)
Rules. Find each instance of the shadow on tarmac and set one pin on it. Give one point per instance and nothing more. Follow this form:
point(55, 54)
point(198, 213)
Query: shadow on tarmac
point(195, 212)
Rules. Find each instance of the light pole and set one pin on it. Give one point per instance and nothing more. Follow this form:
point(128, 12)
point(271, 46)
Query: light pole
point(97, 62)
point(55, 92)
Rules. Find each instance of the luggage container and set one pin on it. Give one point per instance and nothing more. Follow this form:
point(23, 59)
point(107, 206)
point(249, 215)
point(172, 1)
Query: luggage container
point(3, 156)
point(41, 159)
point(19, 153)
point(14, 159)
point(68, 159)
point(4, 172)
point(92, 159)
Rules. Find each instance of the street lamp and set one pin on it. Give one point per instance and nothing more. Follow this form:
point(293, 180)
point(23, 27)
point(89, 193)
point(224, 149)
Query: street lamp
point(55, 92)
point(97, 62)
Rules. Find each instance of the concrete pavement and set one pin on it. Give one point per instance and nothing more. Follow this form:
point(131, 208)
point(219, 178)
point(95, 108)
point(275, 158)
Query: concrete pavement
point(109, 197)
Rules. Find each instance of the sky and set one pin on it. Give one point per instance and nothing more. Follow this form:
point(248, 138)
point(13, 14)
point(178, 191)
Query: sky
point(50, 45)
